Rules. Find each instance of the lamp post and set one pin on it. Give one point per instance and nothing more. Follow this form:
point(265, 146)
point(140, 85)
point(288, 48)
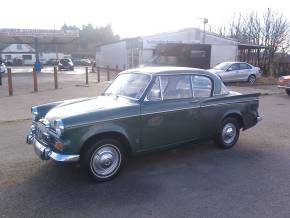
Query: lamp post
point(204, 21)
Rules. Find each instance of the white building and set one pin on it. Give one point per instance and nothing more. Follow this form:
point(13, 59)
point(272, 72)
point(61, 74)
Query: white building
point(25, 54)
point(135, 51)
point(22, 52)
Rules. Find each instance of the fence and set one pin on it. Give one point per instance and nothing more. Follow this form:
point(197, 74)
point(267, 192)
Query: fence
point(92, 75)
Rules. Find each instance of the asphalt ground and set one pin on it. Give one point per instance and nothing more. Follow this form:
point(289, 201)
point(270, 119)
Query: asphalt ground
point(250, 180)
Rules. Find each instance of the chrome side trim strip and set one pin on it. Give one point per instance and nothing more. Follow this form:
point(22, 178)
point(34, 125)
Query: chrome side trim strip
point(159, 112)
point(217, 104)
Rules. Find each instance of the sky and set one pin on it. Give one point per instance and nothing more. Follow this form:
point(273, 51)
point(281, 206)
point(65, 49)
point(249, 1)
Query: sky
point(130, 18)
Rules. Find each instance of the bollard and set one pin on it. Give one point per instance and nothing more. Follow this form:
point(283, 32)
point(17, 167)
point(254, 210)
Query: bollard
point(10, 88)
point(124, 67)
point(87, 75)
point(55, 77)
point(99, 74)
point(0, 79)
point(35, 86)
point(108, 73)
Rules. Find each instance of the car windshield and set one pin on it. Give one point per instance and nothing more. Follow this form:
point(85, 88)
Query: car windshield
point(222, 66)
point(131, 85)
point(64, 61)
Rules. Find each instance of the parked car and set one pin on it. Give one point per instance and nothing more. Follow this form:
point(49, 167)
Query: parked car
point(237, 72)
point(65, 64)
point(82, 62)
point(85, 62)
point(284, 83)
point(52, 62)
point(2, 68)
point(143, 110)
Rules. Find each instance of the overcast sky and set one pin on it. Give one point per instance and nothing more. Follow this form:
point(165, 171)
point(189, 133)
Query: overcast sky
point(129, 17)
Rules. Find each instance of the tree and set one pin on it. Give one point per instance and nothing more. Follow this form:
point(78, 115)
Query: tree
point(89, 37)
point(270, 29)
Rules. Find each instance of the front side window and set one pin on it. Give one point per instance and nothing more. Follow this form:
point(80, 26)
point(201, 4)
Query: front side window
point(176, 87)
point(234, 67)
point(202, 86)
point(131, 85)
point(170, 87)
point(222, 66)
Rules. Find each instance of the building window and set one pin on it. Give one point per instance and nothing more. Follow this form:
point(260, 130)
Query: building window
point(19, 47)
point(27, 57)
point(8, 57)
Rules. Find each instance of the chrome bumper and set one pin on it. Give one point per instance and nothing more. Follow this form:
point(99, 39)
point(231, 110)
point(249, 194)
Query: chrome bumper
point(259, 118)
point(45, 153)
point(283, 87)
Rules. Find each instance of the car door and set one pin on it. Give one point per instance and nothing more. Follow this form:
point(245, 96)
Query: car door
point(245, 71)
point(232, 73)
point(169, 113)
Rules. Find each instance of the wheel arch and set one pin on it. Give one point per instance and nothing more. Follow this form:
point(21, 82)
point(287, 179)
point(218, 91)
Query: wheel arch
point(235, 114)
point(108, 134)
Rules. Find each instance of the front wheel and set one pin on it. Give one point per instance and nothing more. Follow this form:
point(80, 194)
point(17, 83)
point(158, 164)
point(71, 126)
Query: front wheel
point(103, 160)
point(288, 91)
point(229, 133)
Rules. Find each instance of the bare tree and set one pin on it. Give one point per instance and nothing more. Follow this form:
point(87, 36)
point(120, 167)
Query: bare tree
point(271, 29)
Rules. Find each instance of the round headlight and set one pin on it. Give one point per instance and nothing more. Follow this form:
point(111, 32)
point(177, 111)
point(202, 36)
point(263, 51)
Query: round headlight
point(59, 127)
point(34, 113)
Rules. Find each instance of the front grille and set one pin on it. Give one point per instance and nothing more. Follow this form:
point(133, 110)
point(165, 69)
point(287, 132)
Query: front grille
point(42, 133)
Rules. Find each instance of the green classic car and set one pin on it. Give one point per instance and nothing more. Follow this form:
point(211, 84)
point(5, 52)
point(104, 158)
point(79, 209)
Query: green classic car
point(143, 110)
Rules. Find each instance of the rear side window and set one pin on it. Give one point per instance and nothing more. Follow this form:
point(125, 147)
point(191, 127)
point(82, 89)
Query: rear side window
point(202, 86)
point(244, 66)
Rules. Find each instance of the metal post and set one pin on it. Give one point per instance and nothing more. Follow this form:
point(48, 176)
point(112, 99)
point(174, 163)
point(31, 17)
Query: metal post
point(10, 88)
point(117, 70)
point(0, 79)
point(87, 75)
point(55, 77)
point(36, 49)
point(99, 75)
point(35, 86)
point(108, 73)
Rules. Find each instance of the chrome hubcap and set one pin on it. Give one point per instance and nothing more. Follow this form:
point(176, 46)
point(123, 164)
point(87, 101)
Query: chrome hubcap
point(106, 160)
point(229, 133)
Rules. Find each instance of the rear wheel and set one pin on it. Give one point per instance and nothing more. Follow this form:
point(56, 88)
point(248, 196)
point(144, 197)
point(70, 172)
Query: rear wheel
point(252, 79)
point(102, 160)
point(229, 133)
point(288, 91)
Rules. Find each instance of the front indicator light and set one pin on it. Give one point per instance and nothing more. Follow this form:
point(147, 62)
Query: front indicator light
point(58, 146)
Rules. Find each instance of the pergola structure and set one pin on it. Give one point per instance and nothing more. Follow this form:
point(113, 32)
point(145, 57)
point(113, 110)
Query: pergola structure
point(250, 53)
point(37, 37)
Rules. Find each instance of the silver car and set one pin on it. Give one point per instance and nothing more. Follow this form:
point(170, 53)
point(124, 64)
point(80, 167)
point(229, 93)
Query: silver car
point(236, 72)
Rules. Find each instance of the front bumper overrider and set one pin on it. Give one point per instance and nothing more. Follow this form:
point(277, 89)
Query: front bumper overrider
point(45, 152)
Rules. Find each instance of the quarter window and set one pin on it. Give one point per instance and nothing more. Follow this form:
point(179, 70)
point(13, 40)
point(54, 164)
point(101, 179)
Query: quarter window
point(202, 86)
point(155, 93)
